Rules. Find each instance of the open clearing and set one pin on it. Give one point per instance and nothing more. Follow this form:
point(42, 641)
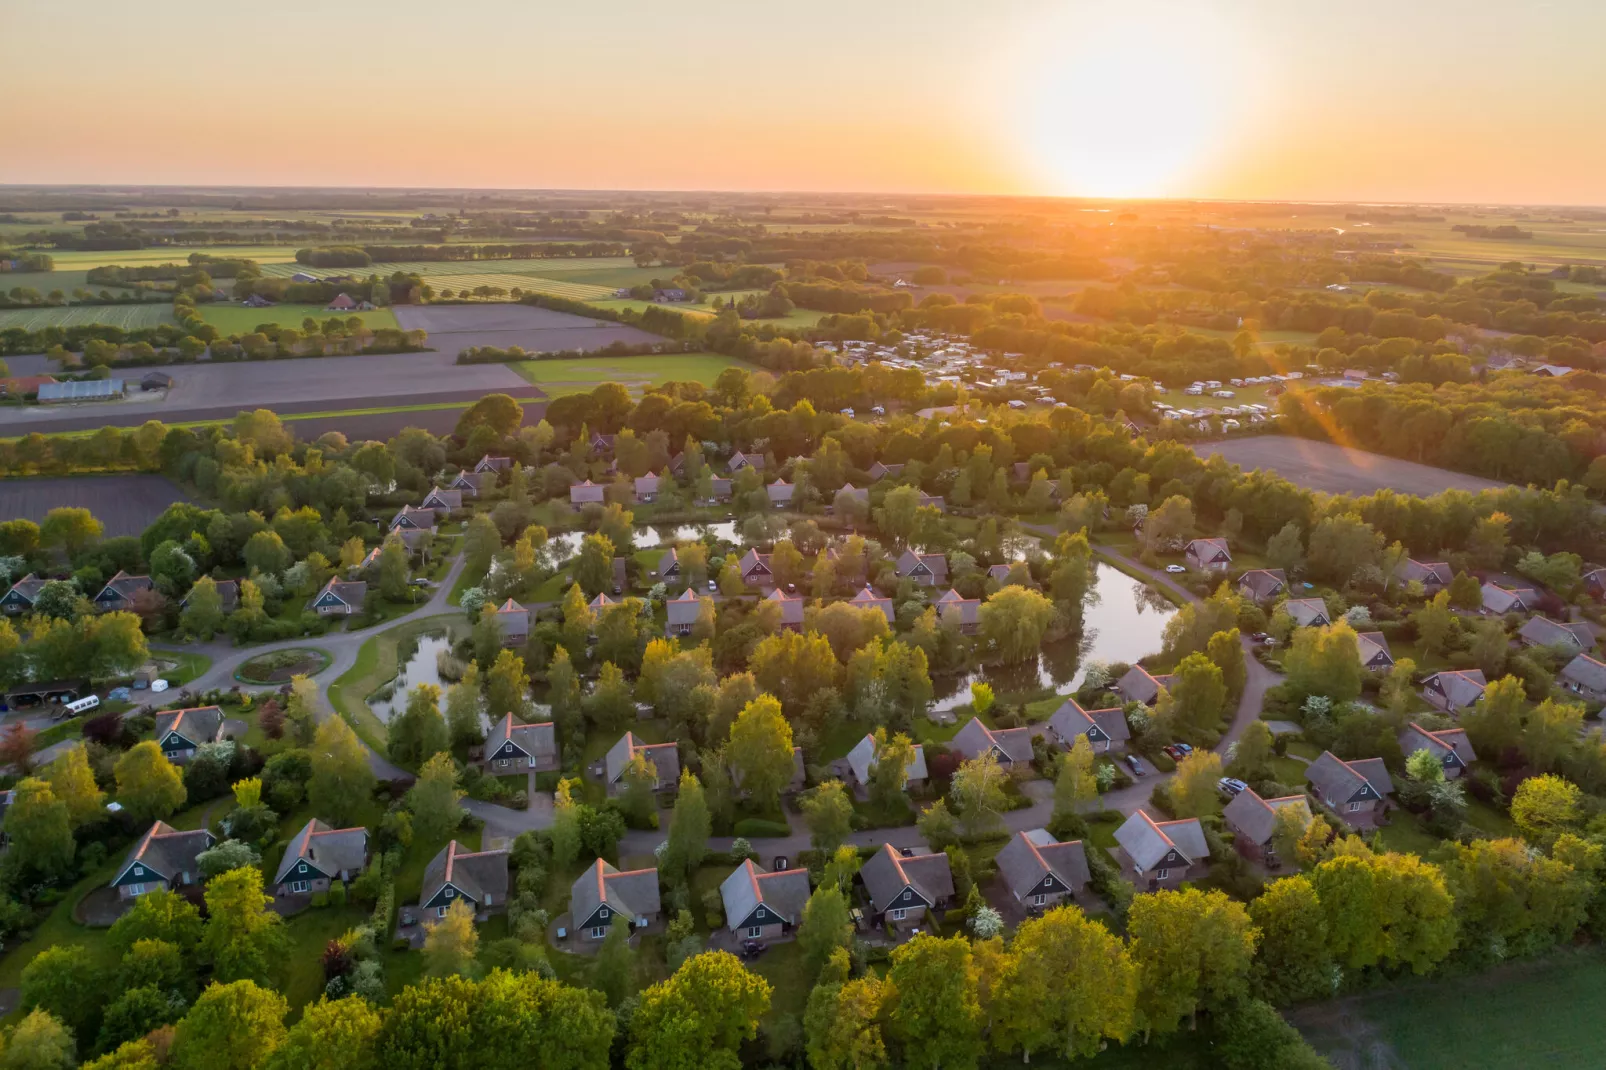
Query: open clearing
point(127, 317)
point(237, 319)
point(1528, 1015)
point(1337, 469)
point(558, 377)
point(125, 504)
point(454, 328)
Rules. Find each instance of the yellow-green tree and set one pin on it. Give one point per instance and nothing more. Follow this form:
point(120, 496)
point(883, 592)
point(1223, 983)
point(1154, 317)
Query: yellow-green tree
point(698, 1018)
point(1069, 985)
point(1193, 950)
point(148, 785)
point(1544, 807)
point(451, 943)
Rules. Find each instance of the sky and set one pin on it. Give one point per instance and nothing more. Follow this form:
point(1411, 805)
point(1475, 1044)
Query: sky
point(1451, 101)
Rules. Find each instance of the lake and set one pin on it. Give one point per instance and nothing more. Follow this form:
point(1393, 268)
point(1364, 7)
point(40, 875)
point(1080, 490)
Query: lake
point(1124, 621)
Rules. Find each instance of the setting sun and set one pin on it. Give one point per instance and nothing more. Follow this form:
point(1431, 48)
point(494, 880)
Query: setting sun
point(1130, 105)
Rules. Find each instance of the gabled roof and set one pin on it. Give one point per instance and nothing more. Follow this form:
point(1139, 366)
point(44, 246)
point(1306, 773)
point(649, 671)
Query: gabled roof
point(976, 739)
point(648, 484)
point(861, 493)
point(888, 872)
point(1425, 572)
point(1441, 743)
point(1257, 818)
point(1137, 684)
point(1542, 631)
point(416, 517)
point(1342, 781)
point(861, 759)
point(228, 593)
point(752, 561)
point(868, 599)
point(739, 460)
point(783, 893)
point(665, 757)
point(791, 606)
point(475, 875)
point(351, 592)
point(493, 463)
point(536, 741)
point(1307, 612)
point(1209, 550)
point(511, 614)
point(1497, 599)
point(27, 588)
point(1031, 855)
point(1072, 720)
point(1368, 645)
point(880, 470)
point(1460, 687)
point(198, 724)
point(1264, 582)
point(472, 481)
point(586, 492)
point(632, 893)
point(123, 587)
point(166, 853)
point(969, 609)
point(1585, 671)
point(444, 498)
point(327, 850)
point(1147, 841)
point(684, 607)
point(780, 491)
point(910, 563)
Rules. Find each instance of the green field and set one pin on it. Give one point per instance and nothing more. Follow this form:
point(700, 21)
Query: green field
point(1526, 1015)
point(127, 317)
point(65, 281)
point(558, 377)
point(576, 291)
point(73, 260)
point(550, 266)
point(237, 319)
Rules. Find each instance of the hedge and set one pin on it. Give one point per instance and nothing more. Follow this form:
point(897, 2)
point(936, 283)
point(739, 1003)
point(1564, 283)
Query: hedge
point(758, 828)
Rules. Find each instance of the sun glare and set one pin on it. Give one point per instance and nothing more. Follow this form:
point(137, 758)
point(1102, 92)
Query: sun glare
point(1129, 104)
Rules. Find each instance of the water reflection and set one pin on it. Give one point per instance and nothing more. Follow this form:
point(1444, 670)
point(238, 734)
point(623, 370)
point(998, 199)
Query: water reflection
point(421, 668)
point(1124, 621)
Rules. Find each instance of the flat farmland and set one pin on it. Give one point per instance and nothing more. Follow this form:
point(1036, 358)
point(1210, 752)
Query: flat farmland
point(453, 328)
point(75, 260)
point(237, 319)
point(554, 266)
point(45, 281)
point(127, 317)
point(125, 504)
point(559, 377)
point(578, 291)
point(1336, 469)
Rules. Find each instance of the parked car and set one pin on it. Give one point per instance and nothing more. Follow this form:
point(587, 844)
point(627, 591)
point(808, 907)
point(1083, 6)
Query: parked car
point(1174, 569)
point(1185, 748)
point(779, 863)
point(1175, 753)
point(1261, 637)
point(1231, 787)
point(1135, 765)
point(752, 949)
point(713, 585)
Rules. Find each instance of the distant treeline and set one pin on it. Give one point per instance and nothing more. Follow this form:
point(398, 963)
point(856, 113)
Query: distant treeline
point(1505, 232)
point(493, 355)
point(215, 267)
point(23, 260)
point(362, 256)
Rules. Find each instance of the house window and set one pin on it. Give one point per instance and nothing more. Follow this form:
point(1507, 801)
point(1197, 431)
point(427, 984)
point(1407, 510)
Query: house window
point(501, 763)
point(299, 886)
point(1354, 806)
point(136, 889)
point(898, 915)
point(440, 912)
point(1161, 874)
point(1039, 900)
point(598, 932)
point(450, 891)
point(755, 931)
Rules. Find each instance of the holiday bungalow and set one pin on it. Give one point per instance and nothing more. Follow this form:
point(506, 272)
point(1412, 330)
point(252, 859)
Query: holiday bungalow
point(164, 859)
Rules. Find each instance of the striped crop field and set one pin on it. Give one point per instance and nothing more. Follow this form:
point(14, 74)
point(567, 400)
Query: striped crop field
point(578, 291)
point(127, 317)
point(549, 266)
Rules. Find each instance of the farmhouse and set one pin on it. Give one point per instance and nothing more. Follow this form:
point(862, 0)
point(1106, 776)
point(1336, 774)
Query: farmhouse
point(1449, 745)
point(868, 599)
point(1356, 791)
point(1262, 584)
point(587, 493)
point(1503, 600)
point(862, 763)
point(664, 758)
point(1585, 677)
point(1011, 746)
point(968, 610)
point(927, 570)
point(1137, 685)
point(791, 609)
point(121, 590)
point(763, 906)
point(164, 859)
point(180, 733)
point(1454, 690)
point(647, 488)
point(1253, 822)
point(1434, 576)
point(1211, 555)
point(903, 885)
point(440, 502)
point(780, 493)
point(603, 895)
point(479, 878)
point(520, 748)
point(340, 598)
point(1542, 631)
point(1160, 854)
point(1105, 729)
point(1307, 612)
point(682, 611)
point(342, 303)
point(319, 855)
point(1041, 872)
point(22, 595)
point(414, 518)
point(1373, 650)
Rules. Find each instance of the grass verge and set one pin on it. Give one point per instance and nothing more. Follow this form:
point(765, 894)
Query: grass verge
point(377, 663)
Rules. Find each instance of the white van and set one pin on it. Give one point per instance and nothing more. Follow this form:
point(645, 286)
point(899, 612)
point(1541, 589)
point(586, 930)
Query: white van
point(82, 706)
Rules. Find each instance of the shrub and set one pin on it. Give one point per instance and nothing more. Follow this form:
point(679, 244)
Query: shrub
point(337, 894)
point(759, 828)
point(320, 899)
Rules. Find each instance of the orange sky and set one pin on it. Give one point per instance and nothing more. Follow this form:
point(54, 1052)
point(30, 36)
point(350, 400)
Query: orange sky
point(1427, 100)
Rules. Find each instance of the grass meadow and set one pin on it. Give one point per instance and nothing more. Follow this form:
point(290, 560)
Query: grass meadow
point(237, 319)
point(559, 377)
point(75, 260)
point(127, 317)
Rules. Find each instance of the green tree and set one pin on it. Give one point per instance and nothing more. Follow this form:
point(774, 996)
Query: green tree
point(1552, 732)
point(890, 772)
point(1465, 592)
point(1390, 910)
point(507, 687)
point(331, 1035)
point(40, 828)
point(159, 915)
point(1543, 807)
point(148, 785)
point(1324, 661)
point(827, 926)
point(243, 934)
point(615, 972)
point(760, 751)
point(933, 1012)
point(1076, 783)
point(1291, 961)
point(699, 1017)
point(39, 1042)
point(1198, 696)
point(689, 829)
point(843, 1020)
point(235, 1026)
point(463, 726)
point(420, 731)
point(1286, 550)
point(593, 569)
point(1193, 950)
point(978, 793)
point(433, 799)
point(1068, 986)
point(1252, 754)
point(1227, 651)
point(342, 783)
point(69, 529)
point(1494, 723)
point(481, 540)
point(1341, 545)
point(1508, 897)
point(565, 825)
point(266, 553)
point(1013, 622)
point(65, 982)
point(1193, 789)
point(451, 943)
point(828, 812)
point(1434, 623)
point(202, 615)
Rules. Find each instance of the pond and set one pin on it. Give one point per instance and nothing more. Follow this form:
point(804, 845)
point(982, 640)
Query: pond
point(1124, 621)
point(421, 668)
point(563, 545)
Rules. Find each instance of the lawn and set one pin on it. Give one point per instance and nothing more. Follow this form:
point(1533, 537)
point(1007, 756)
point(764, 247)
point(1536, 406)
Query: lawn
point(1528, 1014)
point(558, 377)
point(237, 319)
point(309, 933)
point(188, 667)
point(127, 317)
point(1404, 834)
point(375, 665)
